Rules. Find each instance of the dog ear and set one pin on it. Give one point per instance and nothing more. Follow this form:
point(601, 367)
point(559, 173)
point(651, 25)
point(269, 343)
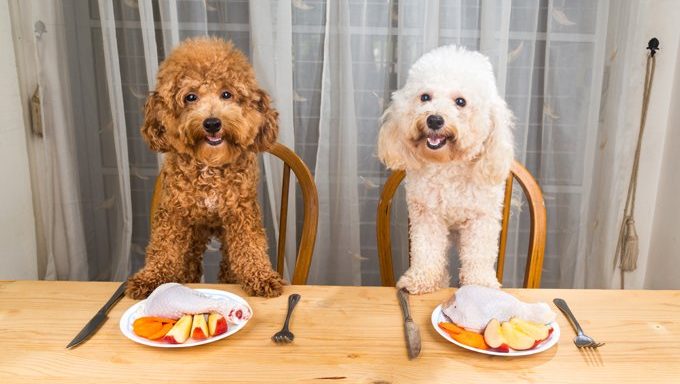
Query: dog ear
point(269, 129)
point(392, 150)
point(153, 130)
point(497, 152)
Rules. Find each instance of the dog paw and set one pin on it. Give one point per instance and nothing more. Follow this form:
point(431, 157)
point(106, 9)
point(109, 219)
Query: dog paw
point(265, 285)
point(418, 283)
point(139, 288)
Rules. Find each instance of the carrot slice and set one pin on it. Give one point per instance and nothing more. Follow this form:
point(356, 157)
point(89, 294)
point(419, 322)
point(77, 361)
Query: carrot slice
point(471, 339)
point(164, 330)
point(450, 328)
point(464, 336)
point(150, 319)
point(147, 329)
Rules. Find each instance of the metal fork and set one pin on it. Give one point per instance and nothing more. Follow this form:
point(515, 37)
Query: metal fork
point(285, 335)
point(581, 340)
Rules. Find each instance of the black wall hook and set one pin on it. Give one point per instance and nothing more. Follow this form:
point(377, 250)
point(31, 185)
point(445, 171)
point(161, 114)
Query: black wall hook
point(653, 46)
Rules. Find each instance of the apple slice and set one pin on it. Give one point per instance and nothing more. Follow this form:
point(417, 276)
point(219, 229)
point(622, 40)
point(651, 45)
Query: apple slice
point(179, 333)
point(536, 330)
point(217, 324)
point(199, 328)
point(492, 334)
point(515, 338)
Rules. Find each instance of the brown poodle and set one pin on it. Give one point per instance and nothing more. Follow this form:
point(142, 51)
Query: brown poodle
point(211, 119)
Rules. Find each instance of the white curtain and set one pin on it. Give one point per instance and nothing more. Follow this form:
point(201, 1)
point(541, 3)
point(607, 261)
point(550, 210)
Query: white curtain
point(271, 55)
point(631, 25)
point(330, 67)
point(612, 159)
point(120, 137)
point(548, 61)
point(336, 172)
point(44, 72)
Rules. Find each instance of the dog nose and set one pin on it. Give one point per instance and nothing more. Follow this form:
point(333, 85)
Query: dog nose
point(435, 122)
point(212, 124)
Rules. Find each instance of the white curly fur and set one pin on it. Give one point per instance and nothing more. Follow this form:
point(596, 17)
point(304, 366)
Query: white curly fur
point(460, 185)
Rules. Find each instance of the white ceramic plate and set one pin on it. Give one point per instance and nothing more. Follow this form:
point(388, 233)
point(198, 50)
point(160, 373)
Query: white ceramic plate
point(438, 317)
point(134, 312)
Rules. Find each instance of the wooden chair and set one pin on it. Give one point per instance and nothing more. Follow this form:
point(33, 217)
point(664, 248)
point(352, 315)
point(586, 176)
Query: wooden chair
point(311, 211)
point(532, 276)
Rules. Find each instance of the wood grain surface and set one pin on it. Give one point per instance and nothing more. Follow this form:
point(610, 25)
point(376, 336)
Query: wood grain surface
point(343, 335)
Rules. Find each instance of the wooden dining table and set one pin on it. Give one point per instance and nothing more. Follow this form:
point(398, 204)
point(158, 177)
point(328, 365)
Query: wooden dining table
point(342, 335)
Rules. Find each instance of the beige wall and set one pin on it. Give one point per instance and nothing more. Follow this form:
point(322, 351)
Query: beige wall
point(17, 224)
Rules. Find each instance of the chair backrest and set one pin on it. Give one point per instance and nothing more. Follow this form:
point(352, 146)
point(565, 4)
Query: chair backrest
point(310, 221)
point(532, 275)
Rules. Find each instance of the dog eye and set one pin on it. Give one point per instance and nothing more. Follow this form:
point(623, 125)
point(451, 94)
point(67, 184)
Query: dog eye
point(425, 97)
point(226, 95)
point(190, 98)
point(460, 102)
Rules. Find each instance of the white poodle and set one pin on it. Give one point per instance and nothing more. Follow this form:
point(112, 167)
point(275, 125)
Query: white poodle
point(452, 133)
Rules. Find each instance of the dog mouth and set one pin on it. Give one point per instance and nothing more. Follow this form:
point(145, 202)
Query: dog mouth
point(214, 139)
point(435, 142)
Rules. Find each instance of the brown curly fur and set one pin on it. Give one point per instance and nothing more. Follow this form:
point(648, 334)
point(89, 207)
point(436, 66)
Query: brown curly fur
point(208, 190)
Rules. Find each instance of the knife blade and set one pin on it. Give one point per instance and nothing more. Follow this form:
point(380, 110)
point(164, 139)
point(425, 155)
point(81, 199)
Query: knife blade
point(93, 325)
point(411, 330)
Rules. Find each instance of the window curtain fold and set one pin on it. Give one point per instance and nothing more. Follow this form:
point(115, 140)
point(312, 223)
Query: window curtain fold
point(337, 250)
point(43, 74)
point(271, 55)
point(617, 127)
point(148, 30)
point(121, 248)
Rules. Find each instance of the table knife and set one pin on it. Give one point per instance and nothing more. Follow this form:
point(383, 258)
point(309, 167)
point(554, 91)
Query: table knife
point(410, 328)
point(93, 325)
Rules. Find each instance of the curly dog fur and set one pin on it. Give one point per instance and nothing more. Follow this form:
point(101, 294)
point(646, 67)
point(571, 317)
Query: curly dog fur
point(452, 133)
point(211, 119)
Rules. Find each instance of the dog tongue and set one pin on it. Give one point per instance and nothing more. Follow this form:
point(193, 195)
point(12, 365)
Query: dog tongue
point(214, 139)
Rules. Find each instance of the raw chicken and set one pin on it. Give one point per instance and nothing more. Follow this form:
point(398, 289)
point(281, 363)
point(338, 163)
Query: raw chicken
point(173, 300)
point(473, 306)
